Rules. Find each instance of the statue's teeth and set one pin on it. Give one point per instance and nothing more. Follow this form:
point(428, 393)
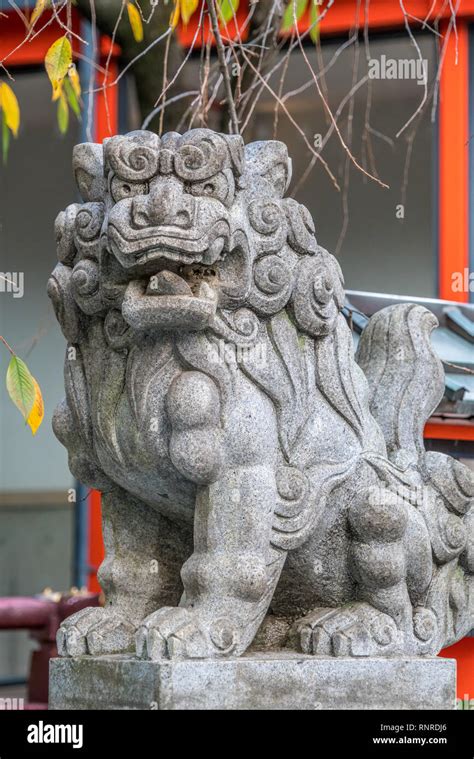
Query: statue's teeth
point(168, 283)
point(206, 291)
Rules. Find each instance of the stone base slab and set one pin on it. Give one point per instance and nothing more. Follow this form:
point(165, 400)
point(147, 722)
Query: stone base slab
point(281, 680)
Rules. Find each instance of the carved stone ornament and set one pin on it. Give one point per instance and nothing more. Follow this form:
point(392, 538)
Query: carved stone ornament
point(261, 486)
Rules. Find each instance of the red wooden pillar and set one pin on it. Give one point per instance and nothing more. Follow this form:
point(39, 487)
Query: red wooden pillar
point(106, 111)
point(454, 245)
point(454, 161)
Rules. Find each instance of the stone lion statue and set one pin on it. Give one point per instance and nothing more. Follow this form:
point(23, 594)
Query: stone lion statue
point(261, 486)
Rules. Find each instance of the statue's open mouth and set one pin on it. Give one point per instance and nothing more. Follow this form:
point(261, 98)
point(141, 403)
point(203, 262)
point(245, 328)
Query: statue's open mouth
point(169, 300)
point(174, 276)
point(176, 286)
point(195, 275)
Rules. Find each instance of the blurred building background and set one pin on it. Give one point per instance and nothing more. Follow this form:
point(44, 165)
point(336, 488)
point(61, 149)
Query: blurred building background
point(36, 519)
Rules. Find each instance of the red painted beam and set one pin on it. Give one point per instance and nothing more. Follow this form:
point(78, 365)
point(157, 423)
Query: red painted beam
point(187, 33)
point(15, 50)
point(448, 431)
point(342, 16)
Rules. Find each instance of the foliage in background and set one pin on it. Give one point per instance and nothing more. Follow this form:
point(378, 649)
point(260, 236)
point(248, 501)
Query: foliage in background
point(64, 80)
point(62, 72)
point(135, 22)
point(10, 113)
point(295, 11)
point(185, 9)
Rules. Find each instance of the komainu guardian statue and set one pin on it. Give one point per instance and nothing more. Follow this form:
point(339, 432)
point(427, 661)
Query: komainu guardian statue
point(261, 485)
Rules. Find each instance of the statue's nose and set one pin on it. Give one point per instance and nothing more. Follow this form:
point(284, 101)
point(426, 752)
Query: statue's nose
point(166, 205)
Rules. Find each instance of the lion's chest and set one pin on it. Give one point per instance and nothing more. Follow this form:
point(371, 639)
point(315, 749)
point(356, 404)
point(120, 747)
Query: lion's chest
point(132, 430)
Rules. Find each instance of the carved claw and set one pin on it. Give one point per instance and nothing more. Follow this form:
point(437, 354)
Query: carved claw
point(178, 633)
point(355, 630)
point(97, 632)
point(170, 633)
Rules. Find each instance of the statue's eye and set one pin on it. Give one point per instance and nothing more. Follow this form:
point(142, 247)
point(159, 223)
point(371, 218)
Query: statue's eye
point(119, 189)
point(220, 187)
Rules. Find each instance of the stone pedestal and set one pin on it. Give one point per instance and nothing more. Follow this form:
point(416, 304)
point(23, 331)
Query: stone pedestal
point(256, 681)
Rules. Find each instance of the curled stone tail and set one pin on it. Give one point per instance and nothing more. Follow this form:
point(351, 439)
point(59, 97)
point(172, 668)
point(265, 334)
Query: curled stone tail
point(405, 376)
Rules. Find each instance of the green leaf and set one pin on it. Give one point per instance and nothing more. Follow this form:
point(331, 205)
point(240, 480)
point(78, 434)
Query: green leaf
point(21, 386)
point(313, 17)
point(227, 9)
point(57, 61)
point(5, 138)
point(72, 98)
point(63, 114)
point(73, 77)
point(294, 8)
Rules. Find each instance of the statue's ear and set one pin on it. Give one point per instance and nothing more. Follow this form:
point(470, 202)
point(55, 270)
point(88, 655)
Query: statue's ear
point(88, 168)
point(269, 159)
point(236, 149)
point(301, 231)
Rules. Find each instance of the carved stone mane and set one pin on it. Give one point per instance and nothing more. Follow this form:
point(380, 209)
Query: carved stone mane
point(254, 476)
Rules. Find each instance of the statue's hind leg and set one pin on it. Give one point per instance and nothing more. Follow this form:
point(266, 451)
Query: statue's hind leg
point(140, 573)
point(389, 559)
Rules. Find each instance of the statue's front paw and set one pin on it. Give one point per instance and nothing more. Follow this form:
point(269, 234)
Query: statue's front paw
point(354, 630)
point(97, 632)
point(179, 633)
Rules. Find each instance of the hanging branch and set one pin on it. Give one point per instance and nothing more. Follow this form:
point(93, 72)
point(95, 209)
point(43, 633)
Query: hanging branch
point(234, 122)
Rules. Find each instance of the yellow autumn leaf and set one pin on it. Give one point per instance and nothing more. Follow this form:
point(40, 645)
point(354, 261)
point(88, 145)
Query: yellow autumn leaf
point(10, 107)
point(57, 91)
point(57, 61)
point(37, 411)
point(135, 22)
point(227, 10)
point(188, 7)
point(73, 75)
point(175, 15)
point(38, 11)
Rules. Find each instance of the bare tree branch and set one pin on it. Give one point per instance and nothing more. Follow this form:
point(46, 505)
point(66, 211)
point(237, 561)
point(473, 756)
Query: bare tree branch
point(234, 121)
point(147, 69)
